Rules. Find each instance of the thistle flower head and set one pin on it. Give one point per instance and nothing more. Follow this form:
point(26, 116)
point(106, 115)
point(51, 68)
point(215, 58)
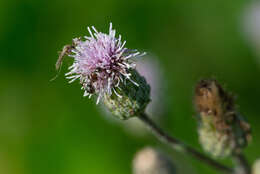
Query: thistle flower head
point(101, 63)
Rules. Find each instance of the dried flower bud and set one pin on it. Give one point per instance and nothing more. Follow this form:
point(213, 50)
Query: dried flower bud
point(256, 167)
point(222, 131)
point(150, 161)
point(131, 99)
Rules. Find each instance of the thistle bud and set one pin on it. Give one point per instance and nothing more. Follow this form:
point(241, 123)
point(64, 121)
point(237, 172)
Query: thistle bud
point(222, 130)
point(150, 161)
point(131, 99)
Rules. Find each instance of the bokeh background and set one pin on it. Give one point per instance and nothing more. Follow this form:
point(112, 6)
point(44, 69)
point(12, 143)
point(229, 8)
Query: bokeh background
point(48, 127)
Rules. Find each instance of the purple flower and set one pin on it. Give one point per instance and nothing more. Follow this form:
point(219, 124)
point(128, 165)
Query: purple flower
point(101, 63)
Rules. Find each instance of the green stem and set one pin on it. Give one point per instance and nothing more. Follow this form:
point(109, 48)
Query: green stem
point(180, 146)
point(242, 165)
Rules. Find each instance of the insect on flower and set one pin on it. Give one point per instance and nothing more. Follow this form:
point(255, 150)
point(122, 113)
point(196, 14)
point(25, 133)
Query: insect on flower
point(101, 62)
point(65, 51)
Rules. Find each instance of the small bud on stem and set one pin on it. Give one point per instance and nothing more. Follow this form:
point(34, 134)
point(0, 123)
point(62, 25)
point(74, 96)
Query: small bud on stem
point(222, 130)
point(150, 161)
point(178, 145)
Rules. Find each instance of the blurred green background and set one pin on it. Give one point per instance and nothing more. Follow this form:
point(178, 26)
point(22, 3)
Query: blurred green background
point(48, 127)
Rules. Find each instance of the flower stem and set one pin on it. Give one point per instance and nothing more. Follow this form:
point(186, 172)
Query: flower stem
point(180, 146)
point(242, 166)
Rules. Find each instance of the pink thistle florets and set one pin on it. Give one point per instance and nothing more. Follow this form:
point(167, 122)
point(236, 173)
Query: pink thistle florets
point(101, 63)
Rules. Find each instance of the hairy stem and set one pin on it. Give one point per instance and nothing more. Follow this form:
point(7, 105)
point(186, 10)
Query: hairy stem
point(180, 146)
